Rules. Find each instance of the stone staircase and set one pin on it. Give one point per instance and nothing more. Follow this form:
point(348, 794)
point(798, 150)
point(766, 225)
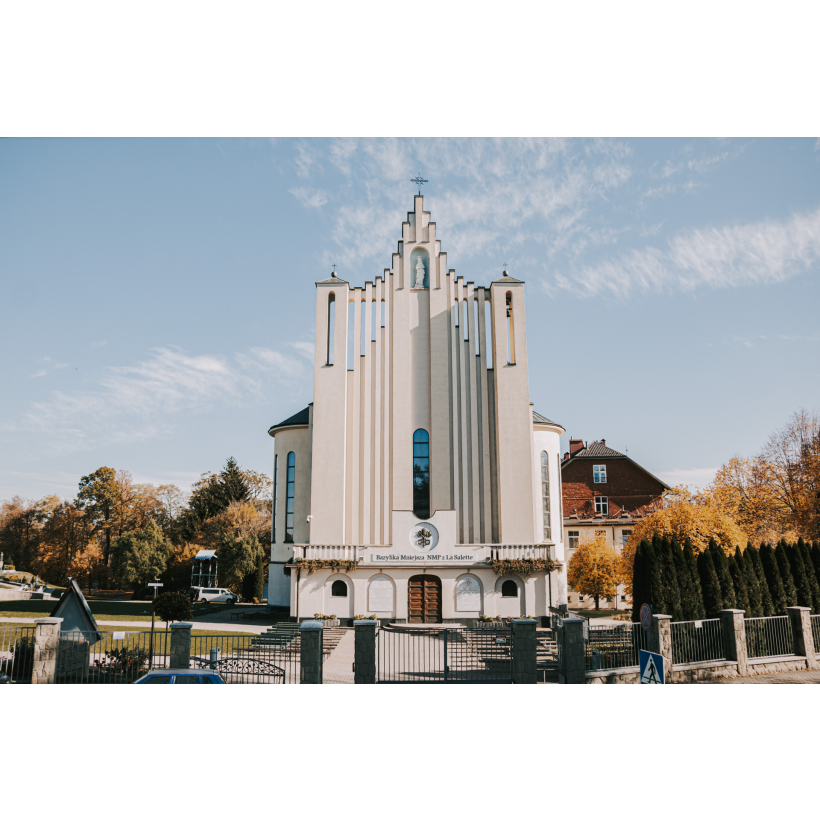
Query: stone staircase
point(287, 635)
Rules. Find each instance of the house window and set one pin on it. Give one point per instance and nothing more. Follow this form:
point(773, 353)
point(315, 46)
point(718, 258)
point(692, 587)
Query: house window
point(599, 473)
point(338, 589)
point(290, 498)
point(509, 589)
point(275, 476)
point(545, 495)
point(625, 536)
point(574, 538)
point(601, 505)
point(580, 599)
point(600, 533)
point(421, 474)
point(623, 597)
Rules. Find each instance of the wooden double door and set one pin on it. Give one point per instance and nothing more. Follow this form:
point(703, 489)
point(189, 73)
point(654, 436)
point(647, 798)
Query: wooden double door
point(424, 600)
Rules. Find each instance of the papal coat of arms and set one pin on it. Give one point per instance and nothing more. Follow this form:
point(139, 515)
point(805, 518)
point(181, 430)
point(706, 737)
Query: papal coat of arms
point(423, 537)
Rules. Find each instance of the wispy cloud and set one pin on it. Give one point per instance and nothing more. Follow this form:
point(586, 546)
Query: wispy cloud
point(305, 349)
point(144, 400)
point(309, 197)
point(38, 374)
point(697, 478)
point(732, 256)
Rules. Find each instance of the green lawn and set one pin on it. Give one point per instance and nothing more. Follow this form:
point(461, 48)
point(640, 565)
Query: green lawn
point(105, 610)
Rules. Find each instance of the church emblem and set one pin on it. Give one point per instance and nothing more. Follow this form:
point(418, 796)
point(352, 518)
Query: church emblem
point(424, 537)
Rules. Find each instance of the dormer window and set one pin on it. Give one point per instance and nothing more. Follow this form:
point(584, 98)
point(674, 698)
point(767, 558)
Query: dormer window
point(599, 473)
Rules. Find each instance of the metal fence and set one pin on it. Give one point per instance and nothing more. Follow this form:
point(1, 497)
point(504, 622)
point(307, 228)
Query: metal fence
point(613, 647)
point(698, 641)
point(768, 637)
point(116, 657)
point(815, 631)
point(446, 655)
point(248, 658)
point(17, 653)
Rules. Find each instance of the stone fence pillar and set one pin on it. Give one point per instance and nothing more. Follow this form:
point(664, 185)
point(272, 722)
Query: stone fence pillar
point(525, 651)
point(46, 644)
point(734, 638)
point(310, 653)
point(364, 653)
point(572, 668)
point(800, 620)
point(180, 646)
point(660, 641)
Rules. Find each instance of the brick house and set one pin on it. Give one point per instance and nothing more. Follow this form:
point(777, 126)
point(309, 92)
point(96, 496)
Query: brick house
point(604, 491)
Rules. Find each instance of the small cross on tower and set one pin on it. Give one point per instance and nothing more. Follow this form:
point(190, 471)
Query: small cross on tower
point(419, 181)
point(334, 269)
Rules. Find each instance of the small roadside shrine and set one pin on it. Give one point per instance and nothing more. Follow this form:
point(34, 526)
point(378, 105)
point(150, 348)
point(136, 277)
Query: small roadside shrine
point(78, 631)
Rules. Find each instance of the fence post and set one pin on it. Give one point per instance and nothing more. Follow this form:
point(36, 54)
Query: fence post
point(46, 644)
point(180, 646)
point(734, 638)
point(660, 641)
point(310, 652)
point(800, 620)
point(525, 652)
point(364, 653)
point(572, 652)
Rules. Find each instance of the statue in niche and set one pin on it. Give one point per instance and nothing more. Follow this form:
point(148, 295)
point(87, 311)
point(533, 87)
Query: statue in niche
point(419, 273)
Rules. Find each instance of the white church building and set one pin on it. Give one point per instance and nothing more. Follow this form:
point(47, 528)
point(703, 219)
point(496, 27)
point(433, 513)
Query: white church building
point(420, 486)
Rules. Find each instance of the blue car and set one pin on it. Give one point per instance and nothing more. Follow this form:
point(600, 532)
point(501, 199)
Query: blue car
point(181, 676)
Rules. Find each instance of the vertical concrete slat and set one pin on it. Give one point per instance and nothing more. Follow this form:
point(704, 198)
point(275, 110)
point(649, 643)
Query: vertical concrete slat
point(366, 416)
point(474, 399)
point(485, 447)
point(464, 430)
point(356, 429)
point(377, 411)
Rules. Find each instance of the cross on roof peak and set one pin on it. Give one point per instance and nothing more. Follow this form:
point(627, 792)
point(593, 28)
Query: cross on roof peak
point(419, 181)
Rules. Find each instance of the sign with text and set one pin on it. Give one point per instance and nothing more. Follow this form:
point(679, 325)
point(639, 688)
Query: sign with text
point(424, 558)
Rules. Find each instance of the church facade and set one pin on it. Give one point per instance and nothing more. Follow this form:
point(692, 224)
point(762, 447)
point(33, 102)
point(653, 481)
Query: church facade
point(420, 486)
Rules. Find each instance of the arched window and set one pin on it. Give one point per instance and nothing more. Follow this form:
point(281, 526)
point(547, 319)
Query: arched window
point(289, 508)
point(331, 326)
point(509, 589)
point(339, 589)
point(421, 474)
point(275, 477)
point(545, 494)
point(510, 331)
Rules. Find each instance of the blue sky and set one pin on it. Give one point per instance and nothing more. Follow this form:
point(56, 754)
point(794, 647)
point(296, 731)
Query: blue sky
point(159, 298)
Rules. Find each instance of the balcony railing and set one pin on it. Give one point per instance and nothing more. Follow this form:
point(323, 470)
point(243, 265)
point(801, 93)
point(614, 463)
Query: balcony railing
point(328, 552)
point(519, 552)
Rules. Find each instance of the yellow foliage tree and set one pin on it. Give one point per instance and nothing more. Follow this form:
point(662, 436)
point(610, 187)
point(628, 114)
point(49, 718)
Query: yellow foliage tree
point(683, 515)
point(594, 570)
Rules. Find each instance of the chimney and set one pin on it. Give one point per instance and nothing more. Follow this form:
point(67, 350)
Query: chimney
point(603, 441)
point(566, 456)
point(575, 444)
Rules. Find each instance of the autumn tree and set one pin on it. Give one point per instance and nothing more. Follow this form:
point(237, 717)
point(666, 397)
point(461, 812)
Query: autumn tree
point(683, 515)
point(21, 525)
point(97, 497)
point(136, 557)
point(593, 570)
point(237, 557)
point(64, 537)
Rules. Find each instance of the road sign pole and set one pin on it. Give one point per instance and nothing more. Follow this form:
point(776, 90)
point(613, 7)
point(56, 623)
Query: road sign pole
point(156, 585)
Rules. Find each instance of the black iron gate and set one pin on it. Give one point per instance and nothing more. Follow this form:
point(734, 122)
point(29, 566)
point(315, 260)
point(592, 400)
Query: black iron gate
point(444, 655)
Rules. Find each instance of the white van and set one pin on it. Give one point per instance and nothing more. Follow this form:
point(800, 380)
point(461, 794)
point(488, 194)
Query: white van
point(215, 595)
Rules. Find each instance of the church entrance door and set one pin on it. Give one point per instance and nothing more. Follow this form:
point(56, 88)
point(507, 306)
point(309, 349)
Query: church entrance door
point(424, 600)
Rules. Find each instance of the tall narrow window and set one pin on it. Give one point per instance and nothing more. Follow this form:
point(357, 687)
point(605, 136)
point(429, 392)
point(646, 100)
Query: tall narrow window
point(510, 331)
point(545, 495)
point(363, 327)
point(466, 321)
point(421, 474)
point(331, 326)
point(383, 312)
point(373, 321)
point(289, 508)
point(275, 476)
point(488, 333)
point(601, 505)
point(476, 334)
point(351, 342)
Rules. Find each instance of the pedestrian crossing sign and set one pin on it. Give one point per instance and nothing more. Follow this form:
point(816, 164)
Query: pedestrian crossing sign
point(651, 666)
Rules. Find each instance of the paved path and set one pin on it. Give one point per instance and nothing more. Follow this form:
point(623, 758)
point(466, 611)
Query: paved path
point(775, 677)
point(209, 626)
point(338, 668)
